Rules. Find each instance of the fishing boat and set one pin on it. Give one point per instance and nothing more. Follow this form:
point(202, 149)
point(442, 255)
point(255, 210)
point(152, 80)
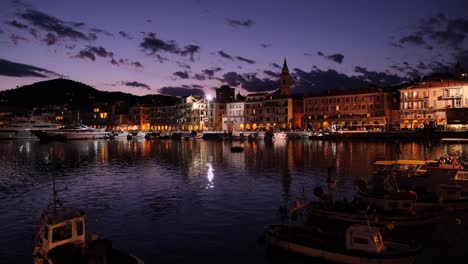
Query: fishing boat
point(357, 244)
point(25, 129)
point(72, 132)
point(61, 237)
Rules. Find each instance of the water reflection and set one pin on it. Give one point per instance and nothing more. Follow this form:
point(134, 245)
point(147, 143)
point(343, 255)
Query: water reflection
point(158, 198)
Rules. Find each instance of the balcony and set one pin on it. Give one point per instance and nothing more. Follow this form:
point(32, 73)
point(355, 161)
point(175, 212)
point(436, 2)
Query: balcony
point(449, 97)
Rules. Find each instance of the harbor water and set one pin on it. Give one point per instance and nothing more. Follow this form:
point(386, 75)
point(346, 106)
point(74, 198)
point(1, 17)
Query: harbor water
point(194, 201)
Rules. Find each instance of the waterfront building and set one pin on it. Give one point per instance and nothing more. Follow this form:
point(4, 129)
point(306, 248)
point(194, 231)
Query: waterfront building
point(357, 109)
point(194, 113)
point(139, 118)
point(234, 120)
point(219, 110)
point(444, 103)
point(164, 118)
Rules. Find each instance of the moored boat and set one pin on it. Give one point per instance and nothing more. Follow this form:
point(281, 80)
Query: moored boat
point(357, 244)
point(25, 129)
point(72, 132)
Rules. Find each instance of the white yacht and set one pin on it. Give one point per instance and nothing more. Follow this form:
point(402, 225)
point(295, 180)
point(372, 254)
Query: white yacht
point(72, 132)
point(24, 129)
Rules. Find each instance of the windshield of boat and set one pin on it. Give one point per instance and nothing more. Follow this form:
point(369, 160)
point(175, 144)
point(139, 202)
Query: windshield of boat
point(378, 240)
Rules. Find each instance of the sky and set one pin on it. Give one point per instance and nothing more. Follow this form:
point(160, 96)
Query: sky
point(191, 47)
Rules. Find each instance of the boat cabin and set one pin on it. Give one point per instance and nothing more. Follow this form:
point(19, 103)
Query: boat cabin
point(449, 191)
point(364, 238)
point(57, 228)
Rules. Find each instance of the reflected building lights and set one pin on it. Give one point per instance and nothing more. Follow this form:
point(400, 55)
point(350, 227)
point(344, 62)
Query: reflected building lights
point(210, 176)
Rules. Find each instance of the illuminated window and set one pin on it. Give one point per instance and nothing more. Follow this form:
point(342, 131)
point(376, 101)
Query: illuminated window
point(96, 110)
point(103, 115)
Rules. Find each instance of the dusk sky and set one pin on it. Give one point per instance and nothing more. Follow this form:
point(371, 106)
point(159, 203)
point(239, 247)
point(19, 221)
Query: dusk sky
point(189, 47)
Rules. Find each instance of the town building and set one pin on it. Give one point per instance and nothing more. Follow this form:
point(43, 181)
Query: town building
point(357, 109)
point(443, 103)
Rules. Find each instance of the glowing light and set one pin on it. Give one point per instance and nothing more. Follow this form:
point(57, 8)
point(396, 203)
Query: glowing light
point(209, 97)
point(210, 176)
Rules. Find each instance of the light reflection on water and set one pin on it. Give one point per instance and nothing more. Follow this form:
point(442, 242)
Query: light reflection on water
point(184, 201)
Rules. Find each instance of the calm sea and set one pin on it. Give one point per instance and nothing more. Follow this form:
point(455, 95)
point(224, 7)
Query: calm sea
point(192, 201)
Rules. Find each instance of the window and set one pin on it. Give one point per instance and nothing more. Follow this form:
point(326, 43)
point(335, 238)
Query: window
point(62, 232)
point(337, 108)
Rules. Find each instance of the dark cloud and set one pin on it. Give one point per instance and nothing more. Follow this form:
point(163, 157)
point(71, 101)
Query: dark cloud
point(97, 30)
point(17, 24)
point(153, 45)
point(421, 66)
point(245, 60)
point(124, 35)
point(378, 78)
point(182, 91)
point(438, 29)
point(250, 82)
point(127, 62)
point(182, 75)
point(338, 58)
point(272, 73)
point(275, 65)
point(211, 72)
point(183, 65)
point(54, 25)
point(15, 39)
point(13, 69)
point(239, 23)
point(190, 50)
point(265, 45)
point(90, 52)
point(199, 77)
point(225, 55)
point(50, 39)
point(136, 84)
point(413, 39)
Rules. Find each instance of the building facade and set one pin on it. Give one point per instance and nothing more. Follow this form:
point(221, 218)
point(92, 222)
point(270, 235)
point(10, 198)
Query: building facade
point(429, 102)
point(358, 110)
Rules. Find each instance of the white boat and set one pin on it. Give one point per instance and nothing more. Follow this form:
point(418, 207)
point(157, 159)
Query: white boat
point(140, 135)
point(72, 132)
point(357, 244)
point(279, 136)
point(24, 129)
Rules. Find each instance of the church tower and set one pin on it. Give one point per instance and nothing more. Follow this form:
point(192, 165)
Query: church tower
point(285, 80)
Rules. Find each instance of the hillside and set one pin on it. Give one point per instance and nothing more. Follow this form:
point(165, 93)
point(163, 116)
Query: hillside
point(75, 94)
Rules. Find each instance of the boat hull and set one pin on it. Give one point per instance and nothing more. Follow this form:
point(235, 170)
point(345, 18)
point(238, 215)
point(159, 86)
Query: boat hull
point(52, 135)
point(304, 241)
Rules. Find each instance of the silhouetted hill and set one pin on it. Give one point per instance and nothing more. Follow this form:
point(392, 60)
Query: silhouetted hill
point(74, 94)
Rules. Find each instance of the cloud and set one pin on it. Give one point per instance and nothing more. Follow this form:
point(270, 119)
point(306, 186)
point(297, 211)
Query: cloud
point(245, 60)
point(54, 25)
point(136, 84)
point(50, 39)
point(13, 69)
point(15, 39)
point(190, 50)
point(239, 23)
point(210, 72)
point(413, 39)
point(17, 24)
point(225, 55)
point(124, 35)
point(438, 29)
point(90, 52)
point(183, 65)
point(250, 82)
point(378, 78)
point(182, 91)
point(338, 58)
point(182, 75)
point(153, 45)
point(272, 73)
point(263, 45)
point(275, 65)
point(118, 62)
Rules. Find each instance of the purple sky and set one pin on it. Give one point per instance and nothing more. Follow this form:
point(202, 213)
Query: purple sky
point(147, 47)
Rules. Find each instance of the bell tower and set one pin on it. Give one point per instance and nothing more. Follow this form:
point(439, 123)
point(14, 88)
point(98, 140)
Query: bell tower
point(285, 80)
